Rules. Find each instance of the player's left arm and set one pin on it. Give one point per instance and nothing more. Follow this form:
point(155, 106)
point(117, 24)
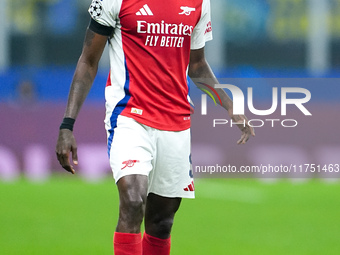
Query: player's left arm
point(202, 75)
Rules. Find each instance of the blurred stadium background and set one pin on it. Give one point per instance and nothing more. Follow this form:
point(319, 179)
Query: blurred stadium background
point(45, 211)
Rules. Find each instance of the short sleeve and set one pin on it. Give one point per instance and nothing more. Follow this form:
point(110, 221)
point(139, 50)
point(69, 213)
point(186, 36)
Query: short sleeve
point(104, 12)
point(203, 30)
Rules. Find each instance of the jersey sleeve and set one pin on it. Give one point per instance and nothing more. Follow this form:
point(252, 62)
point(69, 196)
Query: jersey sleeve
point(203, 30)
point(104, 12)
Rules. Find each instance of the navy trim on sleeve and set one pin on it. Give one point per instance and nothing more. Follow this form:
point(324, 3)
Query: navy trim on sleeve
point(100, 29)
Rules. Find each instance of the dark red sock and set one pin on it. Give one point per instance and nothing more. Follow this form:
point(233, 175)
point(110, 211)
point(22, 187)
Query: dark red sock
point(127, 244)
point(155, 246)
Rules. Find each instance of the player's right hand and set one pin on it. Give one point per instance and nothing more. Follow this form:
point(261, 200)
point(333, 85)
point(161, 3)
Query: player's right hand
point(66, 144)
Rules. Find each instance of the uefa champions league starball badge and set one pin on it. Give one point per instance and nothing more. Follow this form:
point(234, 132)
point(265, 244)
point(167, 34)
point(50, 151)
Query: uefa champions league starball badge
point(96, 9)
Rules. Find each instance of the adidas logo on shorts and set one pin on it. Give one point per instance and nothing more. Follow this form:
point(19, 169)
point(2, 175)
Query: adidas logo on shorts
point(191, 187)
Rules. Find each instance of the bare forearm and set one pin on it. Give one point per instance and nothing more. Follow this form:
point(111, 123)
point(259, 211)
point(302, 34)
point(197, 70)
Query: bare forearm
point(80, 87)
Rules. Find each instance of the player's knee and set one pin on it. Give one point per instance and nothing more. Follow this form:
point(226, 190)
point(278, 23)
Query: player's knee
point(159, 227)
point(164, 226)
point(132, 210)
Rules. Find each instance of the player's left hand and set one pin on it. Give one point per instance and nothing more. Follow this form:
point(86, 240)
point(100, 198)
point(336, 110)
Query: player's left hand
point(244, 126)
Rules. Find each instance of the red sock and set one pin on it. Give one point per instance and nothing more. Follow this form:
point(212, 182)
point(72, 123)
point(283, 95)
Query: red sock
point(155, 246)
point(127, 244)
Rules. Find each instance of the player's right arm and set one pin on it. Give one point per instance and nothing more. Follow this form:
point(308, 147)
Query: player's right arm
point(84, 75)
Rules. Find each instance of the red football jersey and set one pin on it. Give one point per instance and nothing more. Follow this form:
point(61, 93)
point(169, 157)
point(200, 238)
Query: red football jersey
point(149, 56)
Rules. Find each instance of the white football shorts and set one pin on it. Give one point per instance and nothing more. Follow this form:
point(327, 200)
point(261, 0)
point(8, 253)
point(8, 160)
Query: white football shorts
point(163, 156)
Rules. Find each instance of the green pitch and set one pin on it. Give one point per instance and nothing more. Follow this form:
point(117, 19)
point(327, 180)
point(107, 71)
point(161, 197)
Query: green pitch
point(68, 216)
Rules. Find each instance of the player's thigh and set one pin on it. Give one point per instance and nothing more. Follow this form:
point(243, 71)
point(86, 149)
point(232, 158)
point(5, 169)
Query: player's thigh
point(160, 207)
